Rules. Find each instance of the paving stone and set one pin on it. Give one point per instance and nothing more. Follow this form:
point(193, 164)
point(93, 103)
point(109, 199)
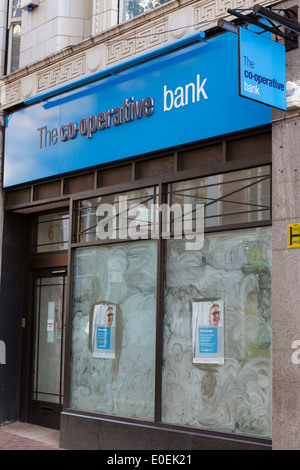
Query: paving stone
point(9, 441)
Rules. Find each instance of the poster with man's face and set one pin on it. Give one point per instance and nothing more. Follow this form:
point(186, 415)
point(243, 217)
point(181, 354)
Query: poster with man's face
point(208, 331)
point(104, 330)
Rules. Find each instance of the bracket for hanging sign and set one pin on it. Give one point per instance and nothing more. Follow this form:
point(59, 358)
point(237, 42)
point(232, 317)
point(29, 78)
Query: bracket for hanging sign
point(283, 25)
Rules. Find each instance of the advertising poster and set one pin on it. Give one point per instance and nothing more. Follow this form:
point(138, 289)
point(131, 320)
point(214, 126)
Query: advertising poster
point(104, 330)
point(208, 332)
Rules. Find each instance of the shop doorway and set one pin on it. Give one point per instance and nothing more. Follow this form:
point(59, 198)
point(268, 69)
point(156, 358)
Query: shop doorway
point(48, 307)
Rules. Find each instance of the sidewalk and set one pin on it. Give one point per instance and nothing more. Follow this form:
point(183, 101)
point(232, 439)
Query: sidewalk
point(25, 436)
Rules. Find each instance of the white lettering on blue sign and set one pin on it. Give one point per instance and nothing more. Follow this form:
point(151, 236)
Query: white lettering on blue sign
point(129, 111)
point(251, 88)
point(184, 95)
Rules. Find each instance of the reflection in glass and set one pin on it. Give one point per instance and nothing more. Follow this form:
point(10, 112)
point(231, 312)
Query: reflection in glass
point(15, 47)
point(229, 198)
point(16, 10)
point(126, 208)
point(234, 266)
point(132, 8)
point(119, 382)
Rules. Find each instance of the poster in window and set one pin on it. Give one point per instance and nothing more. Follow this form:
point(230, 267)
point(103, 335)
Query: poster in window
point(104, 330)
point(208, 332)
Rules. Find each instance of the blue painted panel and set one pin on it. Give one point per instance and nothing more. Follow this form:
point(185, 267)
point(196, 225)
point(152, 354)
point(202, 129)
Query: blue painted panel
point(182, 97)
point(262, 69)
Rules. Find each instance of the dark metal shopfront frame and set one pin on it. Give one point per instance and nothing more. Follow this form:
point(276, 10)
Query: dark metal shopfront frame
point(234, 152)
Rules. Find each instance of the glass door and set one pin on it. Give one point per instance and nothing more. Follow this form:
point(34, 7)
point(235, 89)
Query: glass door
point(48, 348)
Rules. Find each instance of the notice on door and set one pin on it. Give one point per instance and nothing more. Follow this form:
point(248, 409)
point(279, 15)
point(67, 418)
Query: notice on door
point(50, 322)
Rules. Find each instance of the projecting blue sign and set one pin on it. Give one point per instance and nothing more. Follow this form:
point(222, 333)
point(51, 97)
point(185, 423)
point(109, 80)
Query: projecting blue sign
point(262, 71)
point(181, 97)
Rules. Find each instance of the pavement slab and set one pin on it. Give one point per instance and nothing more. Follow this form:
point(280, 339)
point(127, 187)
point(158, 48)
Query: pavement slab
point(24, 436)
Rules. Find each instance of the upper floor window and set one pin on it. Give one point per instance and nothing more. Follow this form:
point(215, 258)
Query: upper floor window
point(14, 35)
point(131, 8)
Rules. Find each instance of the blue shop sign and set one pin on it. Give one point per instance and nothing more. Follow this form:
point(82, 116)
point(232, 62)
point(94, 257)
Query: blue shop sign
point(181, 97)
point(262, 69)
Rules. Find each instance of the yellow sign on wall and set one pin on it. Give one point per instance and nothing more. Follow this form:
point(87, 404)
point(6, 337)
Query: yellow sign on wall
point(293, 236)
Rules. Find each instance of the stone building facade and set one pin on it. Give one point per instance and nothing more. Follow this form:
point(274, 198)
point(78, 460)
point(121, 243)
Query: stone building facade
point(251, 400)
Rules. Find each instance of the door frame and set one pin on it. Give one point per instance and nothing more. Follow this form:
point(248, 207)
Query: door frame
point(42, 414)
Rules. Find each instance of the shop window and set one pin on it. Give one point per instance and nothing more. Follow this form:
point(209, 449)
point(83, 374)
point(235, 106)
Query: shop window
point(213, 376)
point(119, 216)
point(131, 8)
point(219, 377)
point(50, 233)
point(234, 198)
point(237, 197)
point(113, 357)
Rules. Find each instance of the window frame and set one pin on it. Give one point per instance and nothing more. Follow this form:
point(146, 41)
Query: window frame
point(12, 22)
point(163, 194)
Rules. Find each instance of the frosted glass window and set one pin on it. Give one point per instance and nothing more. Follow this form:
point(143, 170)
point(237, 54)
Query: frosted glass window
point(216, 304)
point(229, 392)
point(113, 329)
